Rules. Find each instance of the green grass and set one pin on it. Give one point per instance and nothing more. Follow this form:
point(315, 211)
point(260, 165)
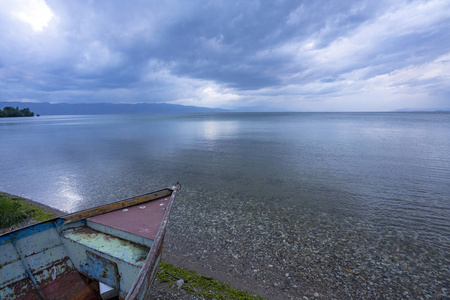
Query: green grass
point(14, 210)
point(199, 285)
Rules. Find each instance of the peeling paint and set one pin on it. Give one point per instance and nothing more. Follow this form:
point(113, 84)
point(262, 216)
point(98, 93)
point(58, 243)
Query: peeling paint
point(48, 259)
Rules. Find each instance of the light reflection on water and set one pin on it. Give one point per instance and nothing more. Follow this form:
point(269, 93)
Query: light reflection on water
point(389, 169)
point(68, 191)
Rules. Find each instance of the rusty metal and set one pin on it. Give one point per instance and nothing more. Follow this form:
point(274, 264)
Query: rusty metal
point(102, 269)
point(26, 267)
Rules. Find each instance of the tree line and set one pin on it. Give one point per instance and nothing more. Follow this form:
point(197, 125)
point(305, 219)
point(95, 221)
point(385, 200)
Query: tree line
point(10, 111)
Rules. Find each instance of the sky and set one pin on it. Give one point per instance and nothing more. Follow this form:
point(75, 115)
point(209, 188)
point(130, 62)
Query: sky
point(256, 55)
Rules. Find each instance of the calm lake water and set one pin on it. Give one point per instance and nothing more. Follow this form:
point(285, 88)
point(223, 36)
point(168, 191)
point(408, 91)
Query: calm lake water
point(340, 205)
point(388, 169)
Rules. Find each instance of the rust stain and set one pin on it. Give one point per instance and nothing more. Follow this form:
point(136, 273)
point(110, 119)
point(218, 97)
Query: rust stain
point(69, 286)
point(60, 262)
point(24, 289)
point(9, 262)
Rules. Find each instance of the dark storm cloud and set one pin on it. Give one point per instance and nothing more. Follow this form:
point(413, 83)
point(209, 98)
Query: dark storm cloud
point(226, 53)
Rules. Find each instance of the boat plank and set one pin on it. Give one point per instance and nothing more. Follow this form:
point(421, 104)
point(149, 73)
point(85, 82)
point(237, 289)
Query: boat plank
point(8, 255)
point(39, 241)
point(11, 272)
point(40, 261)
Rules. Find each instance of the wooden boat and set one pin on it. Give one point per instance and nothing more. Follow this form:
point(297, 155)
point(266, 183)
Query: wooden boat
point(117, 246)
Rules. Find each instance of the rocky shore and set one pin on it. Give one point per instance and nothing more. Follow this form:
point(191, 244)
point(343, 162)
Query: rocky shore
point(160, 290)
point(277, 253)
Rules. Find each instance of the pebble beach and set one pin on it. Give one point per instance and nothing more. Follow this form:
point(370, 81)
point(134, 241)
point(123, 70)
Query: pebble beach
point(279, 253)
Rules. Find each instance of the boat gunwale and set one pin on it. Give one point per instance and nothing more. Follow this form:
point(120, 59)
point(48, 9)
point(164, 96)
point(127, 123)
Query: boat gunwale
point(116, 205)
point(97, 210)
point(154, 253)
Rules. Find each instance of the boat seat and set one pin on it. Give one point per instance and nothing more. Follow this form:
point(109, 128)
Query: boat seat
point(104, 257)
point(110, 245)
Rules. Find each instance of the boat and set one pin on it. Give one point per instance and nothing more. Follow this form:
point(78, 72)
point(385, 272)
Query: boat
point(108, 251)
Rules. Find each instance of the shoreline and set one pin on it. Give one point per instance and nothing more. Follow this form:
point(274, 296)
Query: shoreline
point(29, 220)
point(47, 208)
point(160, 290)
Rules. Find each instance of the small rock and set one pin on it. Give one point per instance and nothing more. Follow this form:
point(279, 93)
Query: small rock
point(180, 283)
point(316, 294)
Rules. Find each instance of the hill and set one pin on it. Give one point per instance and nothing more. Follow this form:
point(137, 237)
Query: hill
point(45, 108)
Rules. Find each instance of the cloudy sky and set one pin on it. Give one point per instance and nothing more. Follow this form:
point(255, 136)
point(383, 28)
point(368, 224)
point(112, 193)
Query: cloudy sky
point(270, 55)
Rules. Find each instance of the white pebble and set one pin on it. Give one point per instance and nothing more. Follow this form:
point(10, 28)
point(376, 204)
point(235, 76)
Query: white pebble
point(180, 283)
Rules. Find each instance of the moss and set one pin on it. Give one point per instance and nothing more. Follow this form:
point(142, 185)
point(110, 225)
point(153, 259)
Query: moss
point(14, 210)
point(199, 285)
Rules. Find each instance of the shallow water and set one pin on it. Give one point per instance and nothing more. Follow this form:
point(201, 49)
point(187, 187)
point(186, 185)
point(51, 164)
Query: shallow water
point(383, 177)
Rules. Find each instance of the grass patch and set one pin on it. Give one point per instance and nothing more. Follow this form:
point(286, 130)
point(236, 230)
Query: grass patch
point(199, 285)
point(14, 210)
point(10, 212)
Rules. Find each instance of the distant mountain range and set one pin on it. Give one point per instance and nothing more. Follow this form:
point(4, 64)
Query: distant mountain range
point(45, 108)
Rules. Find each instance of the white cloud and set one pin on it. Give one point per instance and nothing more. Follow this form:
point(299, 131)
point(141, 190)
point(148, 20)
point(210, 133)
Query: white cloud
point(417, 77)
point(361, 45)
point(33, 12)
point(209, 94)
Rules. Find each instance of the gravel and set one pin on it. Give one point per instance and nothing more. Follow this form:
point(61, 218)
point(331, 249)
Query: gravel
point(278, 252)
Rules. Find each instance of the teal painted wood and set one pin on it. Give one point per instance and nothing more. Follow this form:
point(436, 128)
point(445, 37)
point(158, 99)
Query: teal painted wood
point(128, 256)
point(31, 256)
point(120, 233)
point(109, 245)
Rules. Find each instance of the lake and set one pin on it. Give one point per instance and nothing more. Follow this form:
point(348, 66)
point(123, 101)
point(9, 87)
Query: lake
point(384, 177)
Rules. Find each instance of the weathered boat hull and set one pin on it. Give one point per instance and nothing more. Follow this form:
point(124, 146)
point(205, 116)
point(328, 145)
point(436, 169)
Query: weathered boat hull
point(119, 244)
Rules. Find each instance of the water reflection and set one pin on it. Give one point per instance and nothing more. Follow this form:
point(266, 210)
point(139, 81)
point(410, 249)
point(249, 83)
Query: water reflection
point(68, 190)
point(219, 129)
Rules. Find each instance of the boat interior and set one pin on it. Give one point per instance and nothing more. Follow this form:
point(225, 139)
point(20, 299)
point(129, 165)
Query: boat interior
point(98, 257)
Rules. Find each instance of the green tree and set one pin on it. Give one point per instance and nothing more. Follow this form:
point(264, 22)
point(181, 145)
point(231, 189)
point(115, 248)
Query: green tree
point(10, 111)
